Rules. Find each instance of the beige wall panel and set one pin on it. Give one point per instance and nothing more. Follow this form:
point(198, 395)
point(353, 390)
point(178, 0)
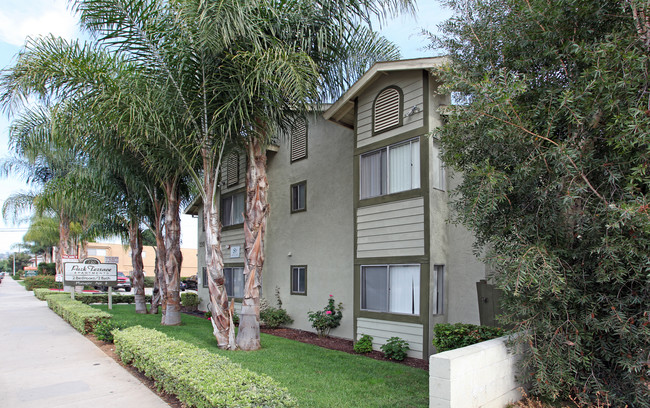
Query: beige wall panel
point(395, 229)
point(376, 227)
point(233, 238)
point(391, 252)
point(382, 330)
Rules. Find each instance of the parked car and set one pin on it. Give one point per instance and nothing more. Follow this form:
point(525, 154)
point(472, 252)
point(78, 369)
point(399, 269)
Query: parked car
point(183, 286)
point(123, 282)
point(191, 283)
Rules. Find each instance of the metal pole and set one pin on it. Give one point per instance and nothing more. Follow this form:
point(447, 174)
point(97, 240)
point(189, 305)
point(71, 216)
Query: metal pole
point(110, 298)
point(14, 264)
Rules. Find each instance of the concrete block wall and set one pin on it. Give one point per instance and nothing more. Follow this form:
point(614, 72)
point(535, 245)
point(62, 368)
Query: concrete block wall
point(480, 375)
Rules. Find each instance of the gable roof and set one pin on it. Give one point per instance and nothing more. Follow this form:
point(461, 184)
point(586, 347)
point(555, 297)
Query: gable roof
point(342, 111)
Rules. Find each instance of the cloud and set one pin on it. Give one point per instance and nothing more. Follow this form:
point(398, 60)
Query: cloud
point(20, 19)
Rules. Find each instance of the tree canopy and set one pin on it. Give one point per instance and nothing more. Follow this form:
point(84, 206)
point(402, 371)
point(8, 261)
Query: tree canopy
point(551, 132)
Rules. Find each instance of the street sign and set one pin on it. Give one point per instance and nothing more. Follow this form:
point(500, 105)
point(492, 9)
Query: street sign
point(77, 273)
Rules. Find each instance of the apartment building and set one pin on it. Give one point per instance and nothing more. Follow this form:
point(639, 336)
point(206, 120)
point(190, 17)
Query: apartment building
point(358, 210)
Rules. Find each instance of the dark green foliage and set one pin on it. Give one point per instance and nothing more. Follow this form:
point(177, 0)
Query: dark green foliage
point(551, 135)
point(327, 319)
point(104, 330)
point(363, 345)
point(41, 281)
point(395, 348)
point(149, 281)
point(46, 268)
point(190, 300)
point(449, 336)
point(274, 317)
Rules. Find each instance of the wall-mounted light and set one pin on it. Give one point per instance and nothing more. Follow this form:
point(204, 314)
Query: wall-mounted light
point(415, 109)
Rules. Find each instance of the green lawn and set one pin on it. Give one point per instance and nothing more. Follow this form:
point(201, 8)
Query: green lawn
point(316, 377)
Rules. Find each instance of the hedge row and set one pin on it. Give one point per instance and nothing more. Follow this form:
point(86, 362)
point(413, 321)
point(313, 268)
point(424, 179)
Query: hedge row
point(91, 298)
point(80, 316)
point(449, 336)
point(41, 281)
point(197, 377)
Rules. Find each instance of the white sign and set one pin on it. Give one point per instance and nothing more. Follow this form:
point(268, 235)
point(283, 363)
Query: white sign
point(234, 251)
point(112, 259)
point(76, 273)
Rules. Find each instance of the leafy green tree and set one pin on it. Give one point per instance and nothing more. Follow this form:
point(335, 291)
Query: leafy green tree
point(42, 235)
point(550, 132)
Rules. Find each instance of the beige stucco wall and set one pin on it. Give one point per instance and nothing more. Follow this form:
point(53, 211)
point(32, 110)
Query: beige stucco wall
point(322, 236)
point(148, 258)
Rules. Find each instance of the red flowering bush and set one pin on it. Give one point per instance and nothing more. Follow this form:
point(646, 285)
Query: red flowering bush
point(328, 318)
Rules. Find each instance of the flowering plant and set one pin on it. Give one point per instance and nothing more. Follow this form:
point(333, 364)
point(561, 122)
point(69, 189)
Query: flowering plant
point(328, 318)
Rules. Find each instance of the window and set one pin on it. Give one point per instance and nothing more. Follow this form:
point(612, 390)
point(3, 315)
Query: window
point(390, 169)
point(234, 277)
point(299, 197)
point(232, 210)
point(97, 252)
point(387, 110)
point(299, 280)
point(234, 281)
point(438, 289)
point(391, 288)
point(299, 140)
point(232, 169)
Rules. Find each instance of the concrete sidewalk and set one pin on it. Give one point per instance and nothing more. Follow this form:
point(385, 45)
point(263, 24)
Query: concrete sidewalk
point(44, 362)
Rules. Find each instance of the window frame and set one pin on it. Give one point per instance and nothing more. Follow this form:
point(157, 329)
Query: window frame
point(400, 110)
point(232, 267)
point(291, 288)
point(388, 307)
point(222, 212)
point(291, 188)
point(385, 176)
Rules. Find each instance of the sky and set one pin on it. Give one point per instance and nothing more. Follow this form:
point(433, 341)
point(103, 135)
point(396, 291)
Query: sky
point(20, 19)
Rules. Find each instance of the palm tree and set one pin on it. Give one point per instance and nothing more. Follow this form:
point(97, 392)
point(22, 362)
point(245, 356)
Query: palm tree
point(116, 109)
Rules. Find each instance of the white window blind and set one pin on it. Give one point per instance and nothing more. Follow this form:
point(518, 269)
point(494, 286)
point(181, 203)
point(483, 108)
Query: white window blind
point(390, 170)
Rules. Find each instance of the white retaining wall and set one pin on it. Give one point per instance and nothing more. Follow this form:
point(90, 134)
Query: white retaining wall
point(480, 375)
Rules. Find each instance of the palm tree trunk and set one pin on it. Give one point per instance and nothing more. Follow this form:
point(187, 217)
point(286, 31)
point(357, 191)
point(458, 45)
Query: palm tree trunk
point(174, 256)
point(135, 242)
point(65, 247)
point(214, 260)
point(257, 209)
point(155, 295)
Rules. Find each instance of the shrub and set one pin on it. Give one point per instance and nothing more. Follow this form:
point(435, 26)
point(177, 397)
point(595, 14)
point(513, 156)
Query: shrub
point(104, 330)
point(452, 336)
point(149, 281)
point(41, 281)
point(363, 345)
point(190, 300)
point(80, 316)
point(195, 375)
point(328, 318)
point(46, 268)
point(275, 317)
point(395, 348)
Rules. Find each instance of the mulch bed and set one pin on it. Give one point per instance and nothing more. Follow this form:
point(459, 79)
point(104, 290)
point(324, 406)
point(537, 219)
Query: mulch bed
point(336, 343)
